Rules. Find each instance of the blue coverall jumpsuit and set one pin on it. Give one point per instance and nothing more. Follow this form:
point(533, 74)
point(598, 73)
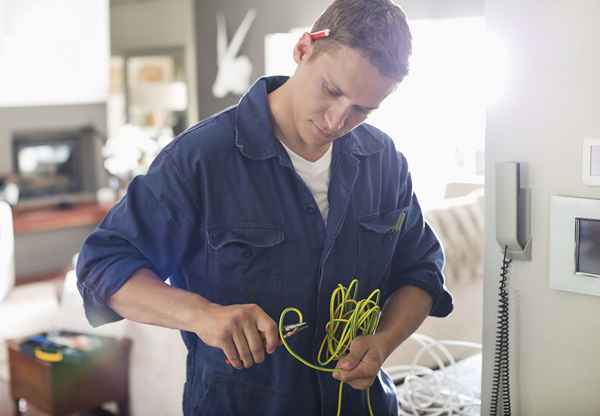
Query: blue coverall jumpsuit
point(222, 213)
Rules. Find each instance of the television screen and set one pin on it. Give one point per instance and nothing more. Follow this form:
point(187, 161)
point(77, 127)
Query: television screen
point(587, 246)
point(48, 167)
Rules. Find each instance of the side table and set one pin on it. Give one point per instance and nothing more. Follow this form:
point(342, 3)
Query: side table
point(62, 388)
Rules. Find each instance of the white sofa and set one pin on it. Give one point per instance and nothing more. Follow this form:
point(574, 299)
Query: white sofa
point(157, 368)
point(458, 223)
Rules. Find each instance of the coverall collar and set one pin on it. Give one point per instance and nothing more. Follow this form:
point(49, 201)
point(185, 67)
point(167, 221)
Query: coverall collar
point(254, 130)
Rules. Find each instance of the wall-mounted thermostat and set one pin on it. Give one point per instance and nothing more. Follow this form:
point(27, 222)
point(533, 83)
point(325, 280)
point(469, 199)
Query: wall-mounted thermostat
point(591, 162)
point(574, 261)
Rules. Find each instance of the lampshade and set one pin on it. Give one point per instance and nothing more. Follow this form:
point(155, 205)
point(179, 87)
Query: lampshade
point(157, 96)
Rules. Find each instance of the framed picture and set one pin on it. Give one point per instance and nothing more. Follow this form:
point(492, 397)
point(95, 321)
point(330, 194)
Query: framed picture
point(149, 88)
point(150, 69)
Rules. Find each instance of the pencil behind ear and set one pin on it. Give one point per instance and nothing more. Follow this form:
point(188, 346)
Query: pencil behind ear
point(303, 48)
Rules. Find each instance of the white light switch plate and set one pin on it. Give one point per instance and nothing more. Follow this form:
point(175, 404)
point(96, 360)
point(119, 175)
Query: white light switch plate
point(591, 162)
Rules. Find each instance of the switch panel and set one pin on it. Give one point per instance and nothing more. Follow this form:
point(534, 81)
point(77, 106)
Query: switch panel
point(591, 162)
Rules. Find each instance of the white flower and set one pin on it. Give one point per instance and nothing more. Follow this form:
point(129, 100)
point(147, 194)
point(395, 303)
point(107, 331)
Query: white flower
point(132, 151)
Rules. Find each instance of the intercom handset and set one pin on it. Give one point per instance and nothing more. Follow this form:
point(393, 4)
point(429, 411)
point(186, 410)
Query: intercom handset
point(512, 212)
point(513, 236)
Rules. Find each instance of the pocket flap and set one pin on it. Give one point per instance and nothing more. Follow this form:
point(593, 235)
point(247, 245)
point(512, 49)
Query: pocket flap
point(255, 236)
point(387, 222)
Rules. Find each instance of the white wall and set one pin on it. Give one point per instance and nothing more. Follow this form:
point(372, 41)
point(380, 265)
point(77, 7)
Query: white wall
point(53, 53)
point(550, 105)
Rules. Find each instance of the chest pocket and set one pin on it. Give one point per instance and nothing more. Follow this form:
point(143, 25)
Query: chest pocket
point(377, 239)
point(245, 263)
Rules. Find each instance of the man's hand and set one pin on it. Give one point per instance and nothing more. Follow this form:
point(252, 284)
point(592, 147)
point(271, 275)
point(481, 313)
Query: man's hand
point(362, 363)
point(243, 332)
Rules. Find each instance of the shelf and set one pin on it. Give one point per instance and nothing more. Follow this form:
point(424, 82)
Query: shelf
point(52, 219)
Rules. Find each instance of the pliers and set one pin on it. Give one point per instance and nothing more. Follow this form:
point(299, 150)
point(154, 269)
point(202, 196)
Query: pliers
point(293, 329)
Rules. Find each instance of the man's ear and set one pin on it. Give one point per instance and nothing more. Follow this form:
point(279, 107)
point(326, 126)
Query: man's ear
point(303, 48)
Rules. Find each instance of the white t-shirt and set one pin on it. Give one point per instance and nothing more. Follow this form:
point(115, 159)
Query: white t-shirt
point(315, 175)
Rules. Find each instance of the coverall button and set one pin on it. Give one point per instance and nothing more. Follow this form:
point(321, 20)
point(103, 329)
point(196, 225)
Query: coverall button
point(311, 209)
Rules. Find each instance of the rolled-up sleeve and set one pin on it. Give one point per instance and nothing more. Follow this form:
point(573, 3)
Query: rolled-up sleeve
point(419, 257)
point(148, 228)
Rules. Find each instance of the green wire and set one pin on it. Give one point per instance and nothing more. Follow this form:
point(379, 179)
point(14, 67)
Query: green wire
point(348, 319)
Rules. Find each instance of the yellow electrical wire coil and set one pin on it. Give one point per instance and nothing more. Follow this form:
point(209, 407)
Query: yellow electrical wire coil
point(348, 319)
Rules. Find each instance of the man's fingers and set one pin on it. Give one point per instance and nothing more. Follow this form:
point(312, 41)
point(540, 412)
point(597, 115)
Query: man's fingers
point(255, 343)
point(358, 349)
point(243, 332)
point(358, 373)
point(231, 353)
point(367, 368)
point(243, 349)
point(359, 379)
point(269, 331)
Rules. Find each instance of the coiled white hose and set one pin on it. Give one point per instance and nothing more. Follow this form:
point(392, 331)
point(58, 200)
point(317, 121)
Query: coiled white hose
point(426, 392)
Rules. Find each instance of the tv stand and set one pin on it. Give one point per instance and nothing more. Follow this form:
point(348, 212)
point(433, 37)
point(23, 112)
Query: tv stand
point(59, 217)
point(47, 238)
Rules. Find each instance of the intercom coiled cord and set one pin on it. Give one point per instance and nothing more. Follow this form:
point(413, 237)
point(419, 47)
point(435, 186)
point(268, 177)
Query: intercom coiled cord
point(501, 382)
point(348, 319)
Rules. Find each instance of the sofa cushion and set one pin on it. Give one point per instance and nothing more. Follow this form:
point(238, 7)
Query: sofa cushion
point(458, 223)
point(7, 251)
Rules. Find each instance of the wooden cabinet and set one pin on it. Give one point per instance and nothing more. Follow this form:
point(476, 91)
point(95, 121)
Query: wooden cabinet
point(63, 388)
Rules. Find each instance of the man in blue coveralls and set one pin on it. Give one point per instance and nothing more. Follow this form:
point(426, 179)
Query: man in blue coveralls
point(269, 204)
